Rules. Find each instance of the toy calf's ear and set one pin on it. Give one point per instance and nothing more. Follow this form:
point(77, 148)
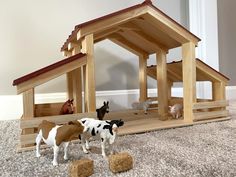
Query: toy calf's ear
point(104, 103)
point(70, 123)
point(107, 102)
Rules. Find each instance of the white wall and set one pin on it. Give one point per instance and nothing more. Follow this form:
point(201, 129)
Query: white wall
point(32, 33)
point(227, 38)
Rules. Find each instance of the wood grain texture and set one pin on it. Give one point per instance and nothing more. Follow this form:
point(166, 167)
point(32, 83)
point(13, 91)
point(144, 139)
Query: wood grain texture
point(142, 78)
point(162, 83)
point(52, 74)
point(189, 79)
point(88, 48)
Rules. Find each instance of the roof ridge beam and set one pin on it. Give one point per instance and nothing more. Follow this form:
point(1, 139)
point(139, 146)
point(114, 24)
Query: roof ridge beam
point(110, 22)
point(121, 41)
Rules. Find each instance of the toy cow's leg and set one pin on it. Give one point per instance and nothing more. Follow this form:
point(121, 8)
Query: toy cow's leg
point(83, 144)
point(55, 153)
point(111, 148)
point(66, 144)
point(103, 146)
point(38, 142)
point(87, 144)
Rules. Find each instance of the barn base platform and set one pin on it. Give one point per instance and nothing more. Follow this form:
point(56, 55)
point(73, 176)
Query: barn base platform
point(135, 122)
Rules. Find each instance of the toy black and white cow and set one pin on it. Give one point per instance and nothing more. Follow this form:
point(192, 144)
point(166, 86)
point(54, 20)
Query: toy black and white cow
point(105, 130)
point(57, 135)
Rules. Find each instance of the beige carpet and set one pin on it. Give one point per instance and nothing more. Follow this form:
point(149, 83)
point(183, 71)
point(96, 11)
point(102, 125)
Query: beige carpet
point(201, 150)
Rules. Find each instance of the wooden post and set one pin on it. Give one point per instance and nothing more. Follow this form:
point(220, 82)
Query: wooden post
point(90, 95)
point(218, 92)
point(77, 84)
point(84, 87)
point(189, 80)
point(69, 80)
point(162, 84)
point(142, 78)
point(28, 109)
point(170, 84)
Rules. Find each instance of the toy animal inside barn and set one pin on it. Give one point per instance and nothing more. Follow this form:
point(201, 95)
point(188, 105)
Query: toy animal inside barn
point(143, 30)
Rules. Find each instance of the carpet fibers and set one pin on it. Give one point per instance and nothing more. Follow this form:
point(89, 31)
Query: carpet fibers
point(200, 150)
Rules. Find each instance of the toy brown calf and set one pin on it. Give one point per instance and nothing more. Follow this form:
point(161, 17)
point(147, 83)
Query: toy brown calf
point(55, 135)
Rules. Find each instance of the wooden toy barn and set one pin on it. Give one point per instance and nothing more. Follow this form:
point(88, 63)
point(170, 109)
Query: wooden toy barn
point(143, 30)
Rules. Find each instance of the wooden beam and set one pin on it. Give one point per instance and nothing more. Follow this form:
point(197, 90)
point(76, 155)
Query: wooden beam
point(211, 104)
point(66, 53)
point(176, 75)
point(134, 30)
point(45, 77)
point(189, 79)
point(88, 48)
point(84, 87)
point(59, 119)
point(211, 72)
point(121, 41)
point(69, 81)
point(170, 84)
point(162, 84)
point(77, 90)
point(28, 110)
point(28, 104)
point(218, 90)
point(210, 115)
point(171, 28)
point(142, 78)
point(77, 83)
point(74, 47)
point(103, 35)
point(110, 22)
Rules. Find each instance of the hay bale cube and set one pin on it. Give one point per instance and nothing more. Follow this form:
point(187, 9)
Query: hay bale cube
point(120, 162)
point(81, 168)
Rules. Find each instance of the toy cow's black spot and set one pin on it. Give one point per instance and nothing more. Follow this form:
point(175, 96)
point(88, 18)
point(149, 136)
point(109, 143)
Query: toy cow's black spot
point(98, 125)
point(119, 123)
point(102, 139)
point(93, 132)
point(79, 137)
point(83, 121)
point(109, 127)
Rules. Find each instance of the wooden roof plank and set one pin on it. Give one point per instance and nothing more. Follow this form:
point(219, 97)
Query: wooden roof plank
point(134, 30)
point(111, 22)
point(48, 73)
point(128, 14)
point(204, 72)
point(211, 71)
point(180, 33)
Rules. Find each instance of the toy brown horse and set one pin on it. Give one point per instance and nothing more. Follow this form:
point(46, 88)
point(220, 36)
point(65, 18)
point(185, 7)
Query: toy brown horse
point(67, 107)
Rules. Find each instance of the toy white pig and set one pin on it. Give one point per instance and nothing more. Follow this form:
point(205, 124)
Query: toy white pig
point(176, 110)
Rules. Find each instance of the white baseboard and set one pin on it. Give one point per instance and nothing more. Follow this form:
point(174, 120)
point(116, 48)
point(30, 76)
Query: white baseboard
point(12, 106)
